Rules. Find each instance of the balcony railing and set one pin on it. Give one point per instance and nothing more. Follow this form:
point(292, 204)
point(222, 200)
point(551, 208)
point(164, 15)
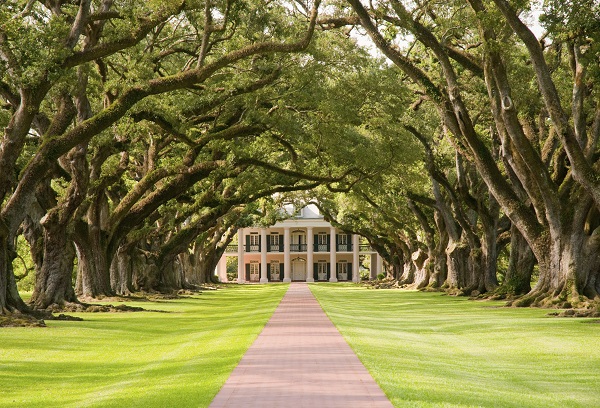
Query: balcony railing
point(321, 248)
point(298, 248)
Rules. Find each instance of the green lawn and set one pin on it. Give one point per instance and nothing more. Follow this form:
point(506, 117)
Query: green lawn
point(431, 350)
point(142, 359)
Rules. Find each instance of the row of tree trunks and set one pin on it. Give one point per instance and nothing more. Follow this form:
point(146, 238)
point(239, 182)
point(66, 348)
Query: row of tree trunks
point(551, 193)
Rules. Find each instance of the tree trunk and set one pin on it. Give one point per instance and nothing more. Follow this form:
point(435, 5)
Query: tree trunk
point(568, 268)
point(121, 271)
point(93, 268)
point(188, 265)
point(408, 272)
point(54, 279)
point(473, 284)
point(10, 300)
point(408, 267)
point(421, 262)
point(458, 265)
point(170, 276)
point(206, 266)
point(197, 266)
point(439, 273)
point(143, 269)
point(520, 265)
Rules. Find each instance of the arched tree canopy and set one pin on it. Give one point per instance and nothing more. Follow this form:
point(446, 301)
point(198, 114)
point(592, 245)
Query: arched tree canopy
point(454, 136)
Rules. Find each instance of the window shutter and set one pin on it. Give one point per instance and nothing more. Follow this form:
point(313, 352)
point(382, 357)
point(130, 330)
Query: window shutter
point(328, 270)
point(248, 244)
point(316, 243)
point(316, 271)
point(281, 271)
point(268, 271)
point(248, 270)
point(349, 271)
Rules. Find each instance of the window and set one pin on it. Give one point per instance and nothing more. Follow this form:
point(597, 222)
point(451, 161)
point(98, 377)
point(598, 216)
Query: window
point(342, 270)
point(322, 242)
point(254, 242)
point(343, 243)
point(254, 271)
point(274, 242)
point(274, 270)
point(322, 270)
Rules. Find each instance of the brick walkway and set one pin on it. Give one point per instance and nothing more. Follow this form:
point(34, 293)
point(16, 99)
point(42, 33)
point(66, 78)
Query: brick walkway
point(300, 360)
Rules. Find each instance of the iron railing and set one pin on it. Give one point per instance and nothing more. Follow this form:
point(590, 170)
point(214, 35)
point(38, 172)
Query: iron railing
point(298, 248)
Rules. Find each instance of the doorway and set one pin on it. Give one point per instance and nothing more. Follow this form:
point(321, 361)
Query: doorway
point(298, 243)
point(299, 269)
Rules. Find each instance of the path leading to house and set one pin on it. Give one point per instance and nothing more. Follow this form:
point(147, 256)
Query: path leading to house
point(300, 360)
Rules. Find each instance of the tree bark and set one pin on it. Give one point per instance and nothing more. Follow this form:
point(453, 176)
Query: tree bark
point(407, 276)
point(121, 271)
point(54, 278)
point(440, 266)
point(422, 268)
point(10, 300)
point(93, 268)
point(520, 266)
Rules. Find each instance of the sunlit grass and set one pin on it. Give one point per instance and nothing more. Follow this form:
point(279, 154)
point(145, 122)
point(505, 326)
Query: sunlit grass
point(142, 359)
point(431, 350)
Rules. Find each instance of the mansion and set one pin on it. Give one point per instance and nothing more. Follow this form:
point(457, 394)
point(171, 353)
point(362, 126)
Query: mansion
point(303, 247)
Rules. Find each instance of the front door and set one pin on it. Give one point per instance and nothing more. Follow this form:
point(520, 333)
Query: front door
point(299, 271)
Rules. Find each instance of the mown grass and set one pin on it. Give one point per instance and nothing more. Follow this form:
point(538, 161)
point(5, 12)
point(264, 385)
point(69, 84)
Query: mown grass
point(140, 359)
point(431, 350)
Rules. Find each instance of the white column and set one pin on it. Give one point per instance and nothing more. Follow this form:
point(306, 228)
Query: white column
point(241, 271)
point(379, 264)
point(355, 258)
point(309, 255)
point(222, 269)
point(287, 259)
point(332, 255)
point(263, 256)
